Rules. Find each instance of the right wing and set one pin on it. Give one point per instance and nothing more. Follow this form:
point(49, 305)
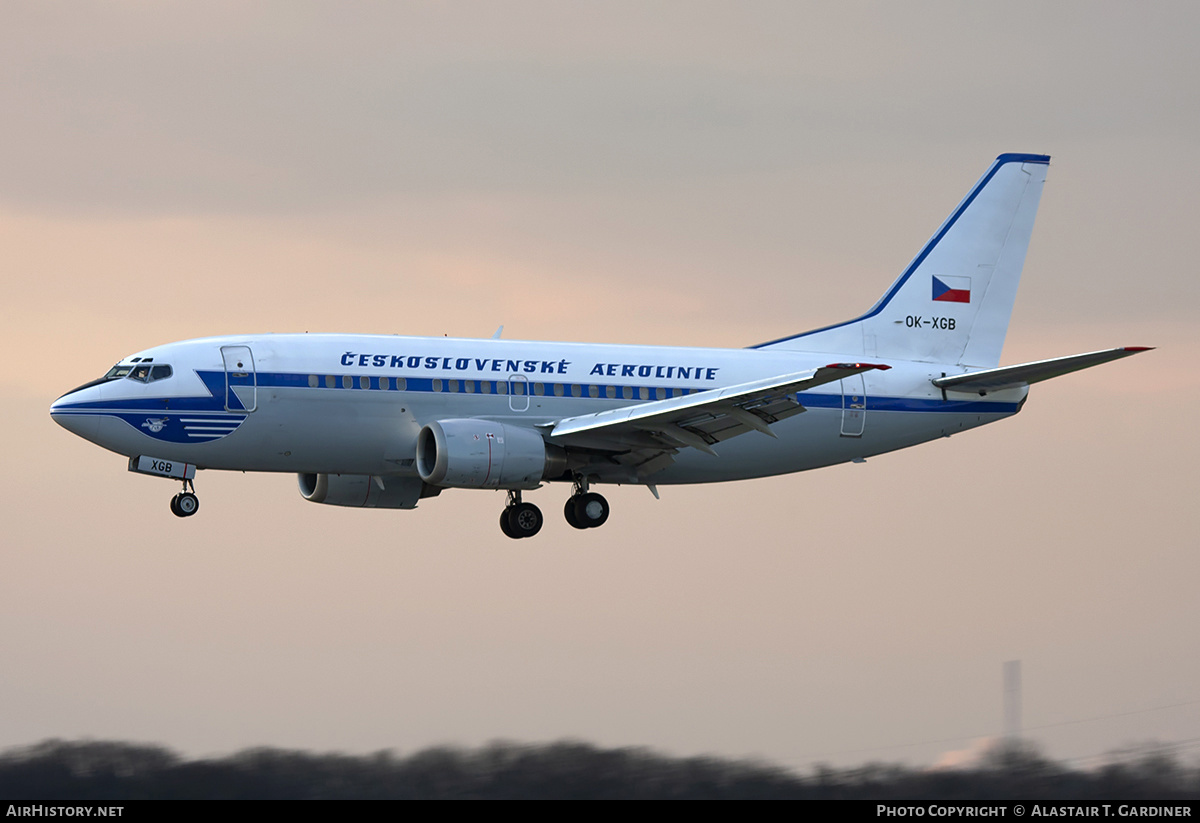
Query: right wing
point(698, 420)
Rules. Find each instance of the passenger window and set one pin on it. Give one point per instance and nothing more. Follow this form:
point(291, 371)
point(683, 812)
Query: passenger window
point(312, 381)
point(364, 382)
point(401, 383)
point(485, 387)
point(385, 383)
point(645, 393)
point(453, 385)
point(576, 390)
point(593, 391)
point(329, 381)
point(660, 393)
point(610, 391)
point(558, 389)
point(469, 386)
point(437, 384)
point(539, 389)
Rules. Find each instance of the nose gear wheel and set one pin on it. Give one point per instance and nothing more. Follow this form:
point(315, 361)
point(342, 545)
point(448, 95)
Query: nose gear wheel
point(185, 503)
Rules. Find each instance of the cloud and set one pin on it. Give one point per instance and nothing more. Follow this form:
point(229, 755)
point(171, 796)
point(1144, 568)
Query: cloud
point(970, 757)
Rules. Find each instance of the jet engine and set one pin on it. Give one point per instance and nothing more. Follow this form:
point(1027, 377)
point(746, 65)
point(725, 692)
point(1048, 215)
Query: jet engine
point(365, 490)
point(483, 454)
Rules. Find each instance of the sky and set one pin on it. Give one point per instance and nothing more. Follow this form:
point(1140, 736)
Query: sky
point(691, 173)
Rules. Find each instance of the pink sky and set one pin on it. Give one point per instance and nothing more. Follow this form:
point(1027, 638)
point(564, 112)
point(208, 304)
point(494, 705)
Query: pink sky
point(691, 174)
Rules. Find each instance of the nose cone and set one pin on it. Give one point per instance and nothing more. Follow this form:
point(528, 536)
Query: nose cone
point(73, 412)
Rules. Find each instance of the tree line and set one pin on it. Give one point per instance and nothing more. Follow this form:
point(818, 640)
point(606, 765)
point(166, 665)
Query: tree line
point(114, 770)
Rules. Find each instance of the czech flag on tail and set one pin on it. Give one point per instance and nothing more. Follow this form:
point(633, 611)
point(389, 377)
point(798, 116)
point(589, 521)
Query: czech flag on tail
point(948, 289)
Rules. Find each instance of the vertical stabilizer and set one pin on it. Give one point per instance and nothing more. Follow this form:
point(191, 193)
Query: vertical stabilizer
point(953, 302)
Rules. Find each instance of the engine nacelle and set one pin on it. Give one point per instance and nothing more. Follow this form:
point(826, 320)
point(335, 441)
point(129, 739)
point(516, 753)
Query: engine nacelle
point(364, 490)
point(482, 454)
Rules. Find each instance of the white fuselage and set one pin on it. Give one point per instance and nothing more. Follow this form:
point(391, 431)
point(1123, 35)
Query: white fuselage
point(354, 404)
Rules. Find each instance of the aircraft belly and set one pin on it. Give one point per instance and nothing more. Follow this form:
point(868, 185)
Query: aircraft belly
point(369, 432)
point(302, 431)
point(297, 433)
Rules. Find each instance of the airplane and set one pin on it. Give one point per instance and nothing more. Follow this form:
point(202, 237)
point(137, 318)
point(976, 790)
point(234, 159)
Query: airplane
point(380, 421)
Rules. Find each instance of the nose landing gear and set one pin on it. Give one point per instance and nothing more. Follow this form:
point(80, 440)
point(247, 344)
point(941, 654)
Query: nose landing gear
point(185, 503)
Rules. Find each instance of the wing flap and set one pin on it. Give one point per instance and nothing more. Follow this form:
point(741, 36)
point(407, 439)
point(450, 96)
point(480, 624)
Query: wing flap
point(1008, 377)
point(702, 419)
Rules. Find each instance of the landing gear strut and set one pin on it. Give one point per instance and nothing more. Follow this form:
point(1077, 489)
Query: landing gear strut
point(584, 509)
point(520, 519)
point(186, 503)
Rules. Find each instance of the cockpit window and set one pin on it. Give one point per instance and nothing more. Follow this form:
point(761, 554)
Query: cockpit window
point(145, 373)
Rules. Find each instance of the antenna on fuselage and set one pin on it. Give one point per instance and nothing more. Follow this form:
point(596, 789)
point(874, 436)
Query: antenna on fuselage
point(496, 336)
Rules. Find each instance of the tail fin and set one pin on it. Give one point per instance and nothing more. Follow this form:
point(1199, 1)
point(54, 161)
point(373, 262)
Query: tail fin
point(953, 302)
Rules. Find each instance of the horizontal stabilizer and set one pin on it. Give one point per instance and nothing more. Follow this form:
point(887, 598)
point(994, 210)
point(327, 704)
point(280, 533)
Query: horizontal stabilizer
point(1008, 377)
point(704, 418)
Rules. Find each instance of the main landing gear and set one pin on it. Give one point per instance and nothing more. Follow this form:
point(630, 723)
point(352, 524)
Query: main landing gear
point(520, 519)
point(186, 503)
point(584, 510)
